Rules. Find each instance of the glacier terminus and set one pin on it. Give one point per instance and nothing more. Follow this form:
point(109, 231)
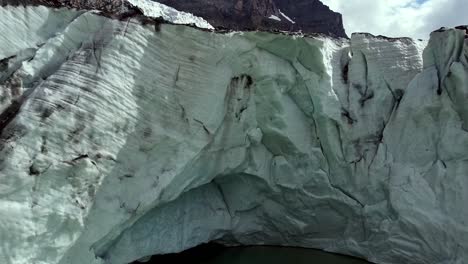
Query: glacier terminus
point(126, 138)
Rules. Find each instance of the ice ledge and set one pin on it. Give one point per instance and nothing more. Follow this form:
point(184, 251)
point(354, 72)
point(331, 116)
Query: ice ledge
point(156, 10)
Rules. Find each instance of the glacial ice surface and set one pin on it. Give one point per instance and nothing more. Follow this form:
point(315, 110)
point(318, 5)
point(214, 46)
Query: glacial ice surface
point(119, 141)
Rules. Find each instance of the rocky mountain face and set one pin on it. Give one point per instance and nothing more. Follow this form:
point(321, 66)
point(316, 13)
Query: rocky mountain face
point(122, 138)
point(308, 16)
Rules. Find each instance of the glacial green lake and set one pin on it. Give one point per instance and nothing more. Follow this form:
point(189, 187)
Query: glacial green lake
point(255, 255)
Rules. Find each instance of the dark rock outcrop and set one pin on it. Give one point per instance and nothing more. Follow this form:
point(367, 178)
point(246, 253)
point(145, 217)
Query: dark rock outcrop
point(309, 16)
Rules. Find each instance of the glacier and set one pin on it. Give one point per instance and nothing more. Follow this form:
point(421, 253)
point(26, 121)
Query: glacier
point(120, 140)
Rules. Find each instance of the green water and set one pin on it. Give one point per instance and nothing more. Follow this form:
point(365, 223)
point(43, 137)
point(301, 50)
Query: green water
point(279, 255)
point(209, 254)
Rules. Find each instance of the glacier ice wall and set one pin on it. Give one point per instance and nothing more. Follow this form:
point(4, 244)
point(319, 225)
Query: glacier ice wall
point(121, 140)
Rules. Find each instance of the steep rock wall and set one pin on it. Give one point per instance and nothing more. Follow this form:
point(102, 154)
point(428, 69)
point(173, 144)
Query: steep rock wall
point(121, 140)
point(308, 16)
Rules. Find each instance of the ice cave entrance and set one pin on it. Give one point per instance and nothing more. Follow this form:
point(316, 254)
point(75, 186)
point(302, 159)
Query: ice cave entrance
point(216, 254)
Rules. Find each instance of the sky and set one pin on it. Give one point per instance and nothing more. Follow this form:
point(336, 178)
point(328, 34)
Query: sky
point(400, 18)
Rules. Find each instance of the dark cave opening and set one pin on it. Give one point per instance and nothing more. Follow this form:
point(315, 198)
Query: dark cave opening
point(198, 254)
point(213, 253)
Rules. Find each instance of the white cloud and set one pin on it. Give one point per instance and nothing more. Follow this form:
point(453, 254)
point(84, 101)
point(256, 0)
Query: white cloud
point(400, 18)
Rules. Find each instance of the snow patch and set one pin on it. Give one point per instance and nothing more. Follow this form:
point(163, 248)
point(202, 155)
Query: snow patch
point(288, 18)
point(155, 9)
point(274, 18)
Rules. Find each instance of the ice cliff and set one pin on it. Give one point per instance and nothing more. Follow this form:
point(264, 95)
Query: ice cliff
point(122, 139)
